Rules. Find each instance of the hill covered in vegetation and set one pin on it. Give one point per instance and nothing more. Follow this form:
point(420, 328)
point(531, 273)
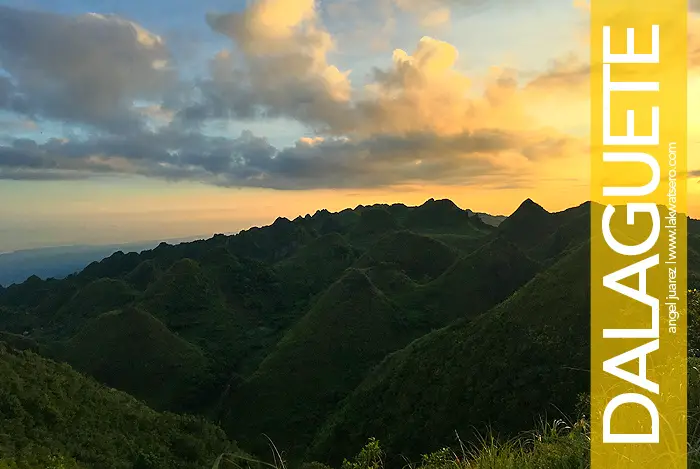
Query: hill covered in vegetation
point(50, 413)
point(403, 323)
point(525, 358)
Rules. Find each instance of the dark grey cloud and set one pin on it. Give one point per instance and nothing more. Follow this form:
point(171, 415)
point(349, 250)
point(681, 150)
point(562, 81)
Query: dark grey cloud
point(22, 174)
point(87, 69)
point(225, 94)
point(252, 161)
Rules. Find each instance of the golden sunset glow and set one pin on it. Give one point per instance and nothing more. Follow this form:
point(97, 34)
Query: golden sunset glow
point(281, 108)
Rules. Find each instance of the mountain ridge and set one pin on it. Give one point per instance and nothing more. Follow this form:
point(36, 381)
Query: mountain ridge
point(300, 330)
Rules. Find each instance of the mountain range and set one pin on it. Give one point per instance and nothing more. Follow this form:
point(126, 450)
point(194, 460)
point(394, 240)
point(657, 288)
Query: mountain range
point(403, 323)
point(60, 261)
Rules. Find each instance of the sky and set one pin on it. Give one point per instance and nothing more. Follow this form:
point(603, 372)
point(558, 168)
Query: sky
point(124, 120)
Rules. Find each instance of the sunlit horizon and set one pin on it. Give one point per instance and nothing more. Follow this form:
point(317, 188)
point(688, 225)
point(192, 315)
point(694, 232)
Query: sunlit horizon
point(222, 115)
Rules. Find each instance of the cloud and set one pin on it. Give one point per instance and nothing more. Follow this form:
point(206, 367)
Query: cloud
point(10, 99)
point(249, 160)
point(87, 69)
point(568, 73)
point(361, 28)
point(273, 27)
point(420, 91)
point(423, 90)
point(284, 70)
point(279, 67)
point(435, 13)
point(415, 120)
point(15, 124)
point(431, 13)
point(694, 40)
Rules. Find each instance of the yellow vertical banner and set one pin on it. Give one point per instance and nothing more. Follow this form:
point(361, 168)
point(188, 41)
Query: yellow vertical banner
point(638, 234)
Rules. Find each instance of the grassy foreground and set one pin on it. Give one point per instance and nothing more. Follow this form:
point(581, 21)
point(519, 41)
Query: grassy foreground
point(553, 445)
point(556, 445)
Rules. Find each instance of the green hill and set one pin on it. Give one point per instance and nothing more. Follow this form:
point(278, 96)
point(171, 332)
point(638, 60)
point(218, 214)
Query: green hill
point(189, 303)
point(49, 410)
point(572, 229)
point(316, 266)
point(324, 222)
point(183, 297)
point(133, 351)
point(212, 306)
point(322, 358)
point(528, 225)
point(504, 368)
point(390, 280)
point(143, 275)
point(374, 221)
point(271, 243)
point(473, 284)
point(543, 235)
point(97, 297)
point(420, 257)
point(444, 216)
point(19, 342)
point(28, 294)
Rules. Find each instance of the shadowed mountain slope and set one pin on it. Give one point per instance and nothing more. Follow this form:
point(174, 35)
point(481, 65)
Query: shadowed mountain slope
point(48, 409)
point(504, 368)
point(420, 257)
point(316, 266)
point(473, 284)
point(443, 215)
point(322, 358)
point(543, 235)
point(354, 325)
point(133, 351)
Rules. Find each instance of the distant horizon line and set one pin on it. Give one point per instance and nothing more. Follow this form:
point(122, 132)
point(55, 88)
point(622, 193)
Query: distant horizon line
point(106, 245)
point(202, 236)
